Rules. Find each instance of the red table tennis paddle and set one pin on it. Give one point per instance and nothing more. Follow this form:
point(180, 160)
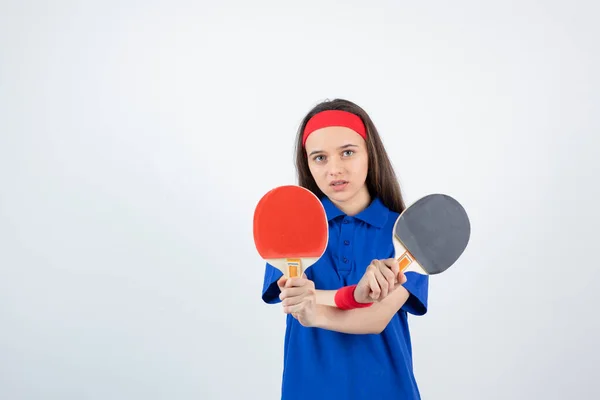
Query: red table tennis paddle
point(431, 234)
point(290, 229)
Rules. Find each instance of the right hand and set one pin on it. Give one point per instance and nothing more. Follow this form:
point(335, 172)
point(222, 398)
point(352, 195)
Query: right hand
point(379, 280)
point(298, 297)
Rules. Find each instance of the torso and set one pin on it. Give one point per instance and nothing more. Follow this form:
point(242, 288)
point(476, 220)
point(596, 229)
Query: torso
point(322, 364)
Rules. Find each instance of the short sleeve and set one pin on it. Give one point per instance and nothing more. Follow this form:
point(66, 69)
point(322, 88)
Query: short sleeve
point(418, 287)
point(270, 291)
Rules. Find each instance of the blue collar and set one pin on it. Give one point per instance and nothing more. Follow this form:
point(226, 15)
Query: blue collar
point(375, 214)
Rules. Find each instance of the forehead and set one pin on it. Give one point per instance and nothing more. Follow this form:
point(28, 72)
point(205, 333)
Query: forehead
point(332, 137)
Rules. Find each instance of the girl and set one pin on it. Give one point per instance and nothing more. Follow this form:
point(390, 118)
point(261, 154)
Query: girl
point(347, 334)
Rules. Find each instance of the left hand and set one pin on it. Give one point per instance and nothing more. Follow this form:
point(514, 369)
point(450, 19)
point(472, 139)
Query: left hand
point(380, 279)
point(298, 298)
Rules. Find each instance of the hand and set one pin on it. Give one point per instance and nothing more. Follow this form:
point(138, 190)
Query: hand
point(380, 279)
point(298, 297)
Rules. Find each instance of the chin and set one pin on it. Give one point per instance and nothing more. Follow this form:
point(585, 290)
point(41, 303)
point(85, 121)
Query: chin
point(342, 196)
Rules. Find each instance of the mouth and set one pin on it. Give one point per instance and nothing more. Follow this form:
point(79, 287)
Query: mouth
point(338, 185)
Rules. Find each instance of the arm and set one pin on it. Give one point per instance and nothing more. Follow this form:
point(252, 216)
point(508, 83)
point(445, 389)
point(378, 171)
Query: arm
point(318, 308)
point(326, 297)
point(378, 278)
point(372, 320)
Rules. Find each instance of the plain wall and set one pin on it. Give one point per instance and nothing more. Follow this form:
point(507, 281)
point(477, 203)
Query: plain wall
point(137, 137)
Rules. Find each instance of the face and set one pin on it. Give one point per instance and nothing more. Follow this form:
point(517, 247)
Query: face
point(338, 161)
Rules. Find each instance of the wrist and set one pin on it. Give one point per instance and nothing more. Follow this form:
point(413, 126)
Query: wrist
point(354, 295)
point(345, 299)
point(321, 316)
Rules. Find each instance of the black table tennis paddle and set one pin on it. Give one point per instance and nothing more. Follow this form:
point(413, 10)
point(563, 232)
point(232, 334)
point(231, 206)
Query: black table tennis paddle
point(431, 234)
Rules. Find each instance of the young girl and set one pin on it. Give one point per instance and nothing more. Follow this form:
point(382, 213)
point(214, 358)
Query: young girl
point(347, 334)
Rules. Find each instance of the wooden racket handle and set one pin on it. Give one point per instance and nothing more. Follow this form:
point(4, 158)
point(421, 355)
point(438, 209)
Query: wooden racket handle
point(294, 267)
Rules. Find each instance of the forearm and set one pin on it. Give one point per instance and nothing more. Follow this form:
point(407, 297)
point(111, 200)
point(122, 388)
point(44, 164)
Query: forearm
point(370, 320)
point(326, 297)
point(358, 321)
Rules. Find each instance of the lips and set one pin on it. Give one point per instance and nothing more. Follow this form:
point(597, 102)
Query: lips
point(338, 183)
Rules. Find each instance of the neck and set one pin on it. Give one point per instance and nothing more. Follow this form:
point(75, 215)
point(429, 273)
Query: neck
point(356, 204)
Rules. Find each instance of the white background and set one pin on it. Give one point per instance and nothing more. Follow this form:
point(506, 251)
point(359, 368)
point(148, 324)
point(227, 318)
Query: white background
point(137, 137)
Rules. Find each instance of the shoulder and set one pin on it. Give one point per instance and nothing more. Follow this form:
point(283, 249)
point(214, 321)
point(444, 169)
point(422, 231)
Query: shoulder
point(377, 215)
point(385, 217)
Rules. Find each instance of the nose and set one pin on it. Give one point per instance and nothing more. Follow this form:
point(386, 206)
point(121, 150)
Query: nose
point(335, 167)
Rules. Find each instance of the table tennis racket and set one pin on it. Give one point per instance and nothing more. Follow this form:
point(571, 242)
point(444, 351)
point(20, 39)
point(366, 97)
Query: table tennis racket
point(290, 229)
point(431, 234)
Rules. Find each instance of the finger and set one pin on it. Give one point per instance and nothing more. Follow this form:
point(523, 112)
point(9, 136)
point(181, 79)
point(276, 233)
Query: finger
point(293, 300)
point(296, 308)
point(383, 283)
point(281, 281)
point(374, 286)
point(402, 278)
point(394, 266)
point(389, 276)
point(292, 292)
point(296, 282)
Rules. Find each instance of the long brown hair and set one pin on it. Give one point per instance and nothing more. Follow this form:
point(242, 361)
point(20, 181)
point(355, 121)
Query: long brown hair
point(381, 178)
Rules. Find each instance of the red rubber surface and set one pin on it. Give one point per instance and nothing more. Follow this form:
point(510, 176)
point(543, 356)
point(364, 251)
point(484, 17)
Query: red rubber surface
point(289, 221)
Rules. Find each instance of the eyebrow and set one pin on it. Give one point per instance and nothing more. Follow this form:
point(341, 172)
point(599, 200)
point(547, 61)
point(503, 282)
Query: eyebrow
point(339, 148)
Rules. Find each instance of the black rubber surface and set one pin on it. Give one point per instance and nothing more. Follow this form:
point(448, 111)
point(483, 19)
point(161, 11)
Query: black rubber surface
point(436, 230)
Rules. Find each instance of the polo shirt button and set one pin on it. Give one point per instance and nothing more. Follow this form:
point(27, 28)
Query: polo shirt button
point(345, 260)
point(346, 242)
point(346, 221)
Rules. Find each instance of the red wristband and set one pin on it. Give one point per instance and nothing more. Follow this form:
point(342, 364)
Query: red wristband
point(344, 299)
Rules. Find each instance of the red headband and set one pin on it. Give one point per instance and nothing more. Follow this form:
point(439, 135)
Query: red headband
point(334, 118)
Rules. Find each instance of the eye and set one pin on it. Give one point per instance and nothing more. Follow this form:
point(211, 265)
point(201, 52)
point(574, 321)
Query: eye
point(348, 152)
point(318, 158)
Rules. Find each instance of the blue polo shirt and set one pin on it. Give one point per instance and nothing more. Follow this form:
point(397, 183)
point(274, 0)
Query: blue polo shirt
point(323, 364)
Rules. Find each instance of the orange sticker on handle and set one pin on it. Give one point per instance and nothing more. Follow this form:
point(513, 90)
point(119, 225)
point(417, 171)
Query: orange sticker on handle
point(405, 260)
point(294, 267)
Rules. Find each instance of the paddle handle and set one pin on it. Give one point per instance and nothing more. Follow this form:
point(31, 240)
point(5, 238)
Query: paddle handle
point(294, 266)
point(405, 260)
